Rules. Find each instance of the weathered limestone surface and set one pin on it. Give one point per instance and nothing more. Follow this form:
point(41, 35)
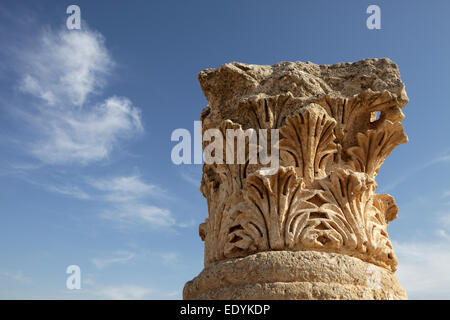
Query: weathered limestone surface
point(294, 275)
point(315, 229)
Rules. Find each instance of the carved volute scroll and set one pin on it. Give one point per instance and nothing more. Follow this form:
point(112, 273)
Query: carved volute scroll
point(337, 124)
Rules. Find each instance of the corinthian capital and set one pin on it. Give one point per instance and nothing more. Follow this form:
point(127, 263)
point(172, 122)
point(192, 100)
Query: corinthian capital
point(336, 125)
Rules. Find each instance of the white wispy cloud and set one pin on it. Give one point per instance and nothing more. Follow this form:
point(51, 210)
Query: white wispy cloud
point(124, 292)
point(128, 209)
point(443, 234)
point(18, 276)
point(69, 190)
point(170, 258)
point(423, 269)
point(189, 178)
point(131, 215)
point(443, 158)
point(62, 76)
point(120, 257)
point(62, 71)
point(125, 188)
point(444, 220)
point(84, 136)
point(188, 223)
point(23, 166)
point(423, 265)
point(124, 198)
point(65, 66)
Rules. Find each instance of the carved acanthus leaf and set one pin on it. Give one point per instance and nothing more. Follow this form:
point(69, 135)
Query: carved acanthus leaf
point(352, 193)
point(374, 146)
point(279, 199)
point(222, 188)
point(245, 232)
point(307, 142)
point(385, 203)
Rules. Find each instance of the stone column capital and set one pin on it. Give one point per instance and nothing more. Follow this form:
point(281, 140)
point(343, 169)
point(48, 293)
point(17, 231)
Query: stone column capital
point(335, 125)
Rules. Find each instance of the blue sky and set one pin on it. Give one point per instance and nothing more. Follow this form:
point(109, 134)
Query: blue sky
point(86, 117)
